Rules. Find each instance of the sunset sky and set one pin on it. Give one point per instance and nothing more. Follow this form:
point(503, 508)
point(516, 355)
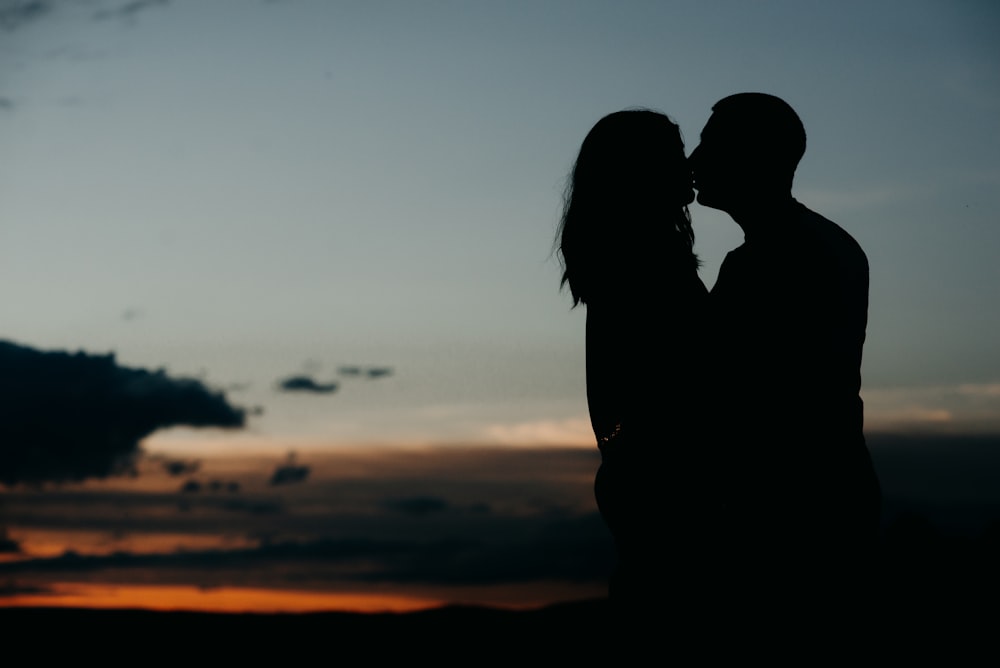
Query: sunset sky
point(297, 253)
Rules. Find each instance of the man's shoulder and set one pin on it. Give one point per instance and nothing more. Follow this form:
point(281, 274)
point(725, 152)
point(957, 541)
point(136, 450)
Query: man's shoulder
point(735, 257)
point(832, 236)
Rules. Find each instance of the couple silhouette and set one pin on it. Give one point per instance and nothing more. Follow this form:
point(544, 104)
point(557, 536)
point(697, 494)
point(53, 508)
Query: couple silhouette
point(735, 478)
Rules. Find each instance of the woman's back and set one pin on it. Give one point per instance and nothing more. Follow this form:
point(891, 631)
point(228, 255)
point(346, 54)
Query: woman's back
point(644, 365)
point(627, 248)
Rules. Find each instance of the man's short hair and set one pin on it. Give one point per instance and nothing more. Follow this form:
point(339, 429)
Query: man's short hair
point(766, 123)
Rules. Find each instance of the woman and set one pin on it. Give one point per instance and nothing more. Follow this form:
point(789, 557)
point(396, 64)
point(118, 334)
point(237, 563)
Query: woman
point(626, 246)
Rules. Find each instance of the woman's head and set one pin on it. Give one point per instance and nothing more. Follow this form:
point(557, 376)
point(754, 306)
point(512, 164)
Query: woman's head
point(626, 198)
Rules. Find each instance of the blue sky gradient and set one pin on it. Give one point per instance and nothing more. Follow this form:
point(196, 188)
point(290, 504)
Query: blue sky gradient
point(241, 192)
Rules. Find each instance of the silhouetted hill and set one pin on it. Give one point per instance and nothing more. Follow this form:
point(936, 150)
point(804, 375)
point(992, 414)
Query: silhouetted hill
point(916, 619)
point(571, 629)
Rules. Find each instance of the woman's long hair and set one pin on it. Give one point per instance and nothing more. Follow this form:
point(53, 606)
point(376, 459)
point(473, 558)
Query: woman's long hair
point(625, 205)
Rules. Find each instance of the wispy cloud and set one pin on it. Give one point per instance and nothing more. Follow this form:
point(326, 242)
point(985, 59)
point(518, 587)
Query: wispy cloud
point(876, 195)
point(356, 371)
point(573, 432)
point(967, 407)
point(887, 193)
point(129, 10)
point(14, 13)
point(17, 14)
point(987, 391)
point(131, 313)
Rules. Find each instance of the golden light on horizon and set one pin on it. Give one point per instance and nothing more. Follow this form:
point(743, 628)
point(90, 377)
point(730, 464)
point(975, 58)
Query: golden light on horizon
point(235, 600)
point(173, 598)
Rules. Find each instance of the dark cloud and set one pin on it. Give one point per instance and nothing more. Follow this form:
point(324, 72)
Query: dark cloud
point(135, 513)
point(573, 551)
point(214, 486)
point(6, 103)
point(207, 505)
point(416, 506)
point(457, 517)
point(252, 507)
point(9, 589)
point(73, 416)
point(289, 473)
point(7, 544)
point(179, 467)
point(305, 384)
point(14, 14)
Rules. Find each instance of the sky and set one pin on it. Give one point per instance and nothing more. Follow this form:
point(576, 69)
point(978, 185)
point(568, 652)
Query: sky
point(297, 258)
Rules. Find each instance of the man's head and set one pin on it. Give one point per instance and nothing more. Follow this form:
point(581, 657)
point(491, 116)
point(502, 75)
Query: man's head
point(749, 150)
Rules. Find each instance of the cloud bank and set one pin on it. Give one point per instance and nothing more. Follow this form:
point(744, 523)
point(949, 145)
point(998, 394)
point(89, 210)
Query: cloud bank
point(73, 416)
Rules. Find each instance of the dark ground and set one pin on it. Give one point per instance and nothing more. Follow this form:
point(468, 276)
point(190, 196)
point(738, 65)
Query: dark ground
point(931, 623)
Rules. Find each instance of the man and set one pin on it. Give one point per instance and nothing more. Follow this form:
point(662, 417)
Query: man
point(790, 312)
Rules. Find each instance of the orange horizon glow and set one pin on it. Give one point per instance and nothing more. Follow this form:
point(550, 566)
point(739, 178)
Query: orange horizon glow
point(259, 600)
point(186, 598)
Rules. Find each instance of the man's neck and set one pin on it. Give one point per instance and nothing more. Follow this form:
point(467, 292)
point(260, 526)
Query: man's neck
point(765, 216)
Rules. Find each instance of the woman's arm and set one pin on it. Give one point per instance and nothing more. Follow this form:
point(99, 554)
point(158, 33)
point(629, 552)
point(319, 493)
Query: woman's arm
point(603, 368)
